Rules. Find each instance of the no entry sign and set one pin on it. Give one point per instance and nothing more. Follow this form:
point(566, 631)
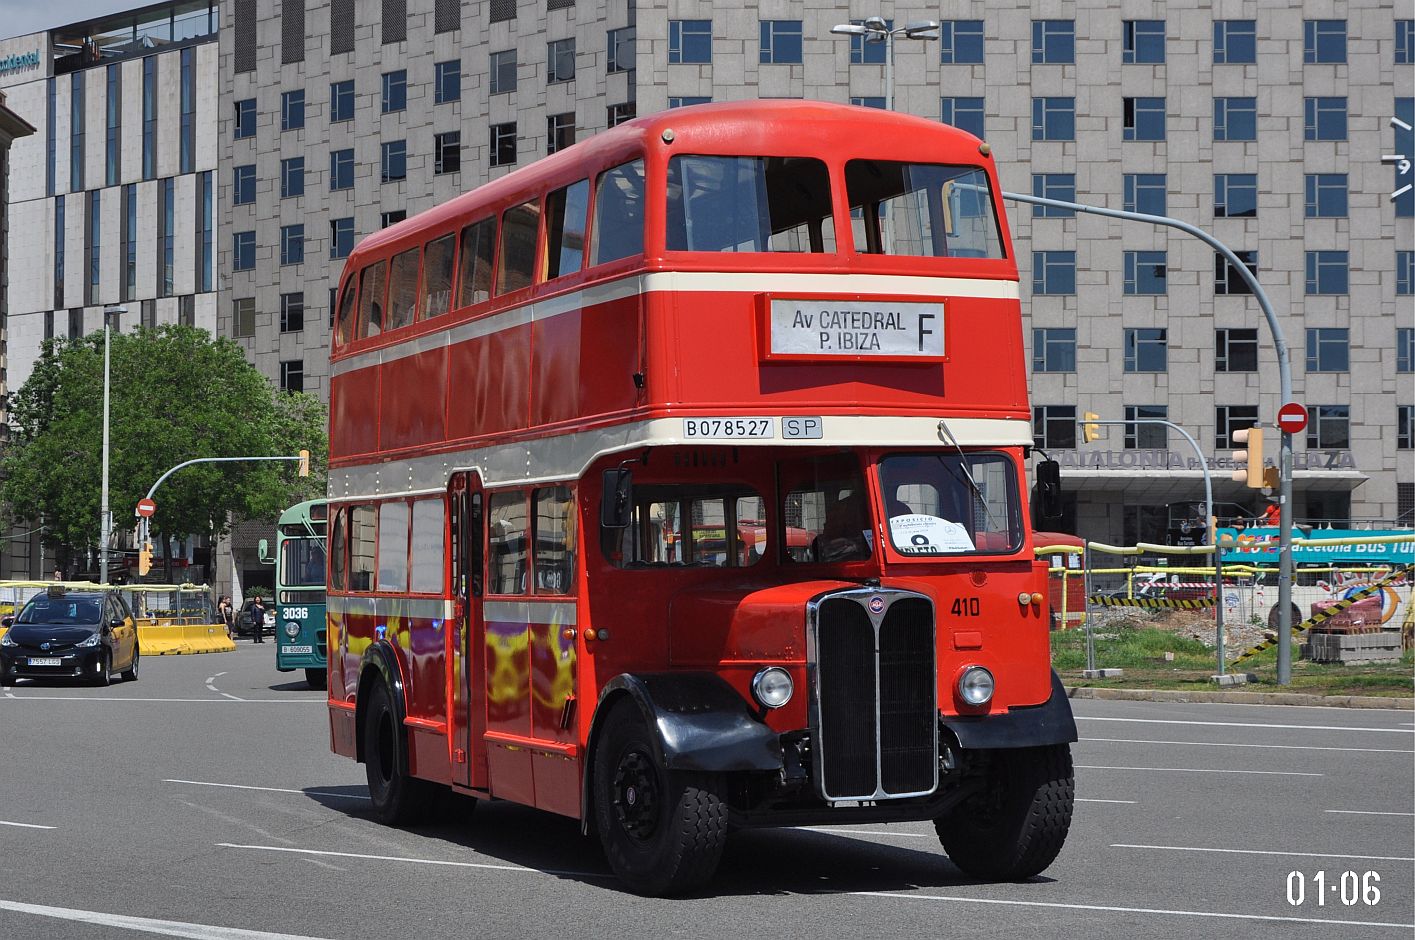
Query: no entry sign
point(146, 507)
point(1292, 417)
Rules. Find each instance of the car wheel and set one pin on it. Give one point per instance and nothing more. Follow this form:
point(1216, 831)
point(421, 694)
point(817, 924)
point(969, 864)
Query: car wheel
point(105, 670)
point(398, 799)
point(131, 673)
point(318, 679)
point(663, 831)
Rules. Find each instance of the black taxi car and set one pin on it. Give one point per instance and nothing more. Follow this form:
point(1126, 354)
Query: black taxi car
point(64, 634)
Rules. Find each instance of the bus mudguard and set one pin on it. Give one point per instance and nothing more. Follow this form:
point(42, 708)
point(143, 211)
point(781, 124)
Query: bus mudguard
point(380, 664)
point(1048, 723)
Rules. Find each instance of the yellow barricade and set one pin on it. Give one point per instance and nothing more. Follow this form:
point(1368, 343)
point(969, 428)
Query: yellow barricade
point(156, 638)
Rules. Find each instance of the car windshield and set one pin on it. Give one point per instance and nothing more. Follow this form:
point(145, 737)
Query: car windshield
point(64, 610)
point(949, 503)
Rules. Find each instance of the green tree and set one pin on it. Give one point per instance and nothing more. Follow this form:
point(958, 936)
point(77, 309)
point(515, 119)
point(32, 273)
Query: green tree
point(176, 394)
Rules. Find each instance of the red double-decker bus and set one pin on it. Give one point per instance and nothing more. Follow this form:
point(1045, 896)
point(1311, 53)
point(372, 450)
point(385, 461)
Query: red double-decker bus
point(677, 486)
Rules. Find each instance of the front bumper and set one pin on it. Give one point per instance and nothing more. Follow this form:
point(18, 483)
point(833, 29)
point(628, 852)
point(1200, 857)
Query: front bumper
point(84, 663)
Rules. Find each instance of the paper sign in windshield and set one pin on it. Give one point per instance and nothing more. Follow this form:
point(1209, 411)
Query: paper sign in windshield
point(919, 534)
point(886, 329)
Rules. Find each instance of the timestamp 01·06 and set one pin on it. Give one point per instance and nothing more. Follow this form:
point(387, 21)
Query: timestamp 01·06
point(1348, 886)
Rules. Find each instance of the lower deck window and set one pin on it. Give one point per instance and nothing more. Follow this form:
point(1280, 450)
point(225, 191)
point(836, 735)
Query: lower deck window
point(690, 526)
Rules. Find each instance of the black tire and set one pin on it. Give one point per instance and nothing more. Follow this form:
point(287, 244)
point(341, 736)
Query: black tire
point(663, 831)
point(105, 670)
point(1275, 612)
point(131, 673)
point(317, 679)
point(398, 799)
point(1016, 827)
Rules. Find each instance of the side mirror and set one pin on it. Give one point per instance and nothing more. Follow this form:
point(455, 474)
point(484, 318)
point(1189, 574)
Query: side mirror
point(7, 621)
point(263, 550)
point(115, 623)
point(616, 503)
point(1049, 490)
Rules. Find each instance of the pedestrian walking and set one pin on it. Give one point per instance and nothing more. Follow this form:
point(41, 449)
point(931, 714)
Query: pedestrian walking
point(258, 618)
point(227, 613)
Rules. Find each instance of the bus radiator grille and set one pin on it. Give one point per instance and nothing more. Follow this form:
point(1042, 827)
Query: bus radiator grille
point(846, 670)
point(908, 722)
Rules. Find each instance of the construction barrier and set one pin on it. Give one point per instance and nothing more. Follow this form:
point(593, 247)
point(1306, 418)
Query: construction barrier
point(1300, 631)
point(1153, 603)
point(156, 638)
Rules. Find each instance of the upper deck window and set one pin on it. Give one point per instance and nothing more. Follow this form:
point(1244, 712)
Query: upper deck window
point(371, 283)
point(517, 261)
point(920, 209)
point(403, 289)
point(565, 216)
point(474, 271)
point(619, 214)
point(749, 204)
point(344, 331)
point(437, 275)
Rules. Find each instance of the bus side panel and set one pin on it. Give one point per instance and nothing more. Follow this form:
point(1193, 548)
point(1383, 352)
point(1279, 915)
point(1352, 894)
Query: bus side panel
point(427, 670)
point(584, 362)
point(491, 393)
point(508, 710)
point(411, 400)
point(353, 404)
point(557, 773)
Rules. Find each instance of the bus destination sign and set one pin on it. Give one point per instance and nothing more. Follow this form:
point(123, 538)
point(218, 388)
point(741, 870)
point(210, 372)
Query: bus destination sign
point(867, 329)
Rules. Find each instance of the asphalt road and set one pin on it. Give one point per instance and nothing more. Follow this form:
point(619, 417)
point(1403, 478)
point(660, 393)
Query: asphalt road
point(202, 801)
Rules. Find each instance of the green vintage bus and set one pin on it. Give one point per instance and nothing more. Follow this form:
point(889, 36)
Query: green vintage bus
point(299, 591)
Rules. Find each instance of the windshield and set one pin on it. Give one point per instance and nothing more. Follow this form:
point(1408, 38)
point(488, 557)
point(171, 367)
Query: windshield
point(749, 204)
point(948, 504)
point(302, 563)
point(826, 514)
point(66, 610)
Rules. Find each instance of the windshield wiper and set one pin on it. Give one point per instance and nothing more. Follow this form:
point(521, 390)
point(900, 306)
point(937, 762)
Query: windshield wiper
point(947, 433)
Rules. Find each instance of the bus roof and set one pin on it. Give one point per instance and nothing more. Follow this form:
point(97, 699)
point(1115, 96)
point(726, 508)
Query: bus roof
point(315, 510)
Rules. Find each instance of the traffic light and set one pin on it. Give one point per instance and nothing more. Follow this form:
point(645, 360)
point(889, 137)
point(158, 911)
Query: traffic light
point(1090, 430)
point(304, 463)
point(1248, 463)
point(145, 558)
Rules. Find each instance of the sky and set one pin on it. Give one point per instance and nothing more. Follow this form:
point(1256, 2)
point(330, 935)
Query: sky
point(21, 17)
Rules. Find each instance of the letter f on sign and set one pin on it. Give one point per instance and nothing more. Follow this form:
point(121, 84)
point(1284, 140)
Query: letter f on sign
point(924, 331)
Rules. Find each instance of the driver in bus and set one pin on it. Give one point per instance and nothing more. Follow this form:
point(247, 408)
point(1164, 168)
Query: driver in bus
point(844, 535)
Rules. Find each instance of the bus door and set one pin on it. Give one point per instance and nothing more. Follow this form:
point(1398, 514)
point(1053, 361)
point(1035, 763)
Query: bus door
point(467, 640)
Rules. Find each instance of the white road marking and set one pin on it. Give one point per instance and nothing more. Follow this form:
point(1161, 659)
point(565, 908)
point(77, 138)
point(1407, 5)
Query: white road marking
point(211, 681)
point(1243, 724)
point(323, 700)
point(415, 861)
point(170, 928)
point(1195, 848)
point(1128, 910)
point(1365, 812)
point(1081, 800)
point(232, 697)
point(1284, 747)
point(238, 786)
point(1206, 770)
point(837, 831)
point(5, 822)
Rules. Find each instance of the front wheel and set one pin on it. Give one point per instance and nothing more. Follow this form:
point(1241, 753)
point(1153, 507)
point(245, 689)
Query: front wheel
point(398, 798)
point(131, 673)
point(1016, 827)
point(663, 831)
point(317, 679)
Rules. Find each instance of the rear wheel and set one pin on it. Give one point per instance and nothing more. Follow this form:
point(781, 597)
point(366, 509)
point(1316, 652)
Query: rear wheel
point(663, 831)
point(1016, 827)
point(398, 798)
point(317, 679)
point(131, 673)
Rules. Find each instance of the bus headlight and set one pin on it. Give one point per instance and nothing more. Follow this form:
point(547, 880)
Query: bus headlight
point(772, 687)
point(292, 629)
point(975, 685)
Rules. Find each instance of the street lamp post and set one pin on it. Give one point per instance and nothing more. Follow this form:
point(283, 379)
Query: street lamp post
point(106, 517)
point(876, 29)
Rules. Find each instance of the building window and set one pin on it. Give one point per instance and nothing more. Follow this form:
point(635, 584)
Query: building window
point(863, 51)
point(129, 255)
point(1326, 195)
point(560, 131)
point(1053, 272)
point(447, 81)
point(1229, 281)
point(341, 26)
point(341, 238)
point(619, 113)
point(59, 232)
point(503, 144)
point(166, 236)
point(1235, 42)
point(1143, 42)
point(1404, 42)
point(1328, 349)
point(1060, 186)
point(395, 91)
point(689, 42)
point(292, 375)
point(245, 114)
point(76, 132)
point(1323, 41)
point(1145, 274)
point(1145, 192)
point(1235, 350)
point(1235, 195)
point(243, 185)
point(447, 15)
point(1404, 273)
point(961, 42)
point(868, 101)
point(1235, 119)
point(49, 324)
point(243, 251)
point(1329, 427)
point(1146, 436)
point(1054, 349)
point(503, 10)
point(393, 160)
point(1404, 349)
point(1146, 350)
point(966, 114)
point(187, 140)
point(206, 230)
point(292, 312)
point(292, 177)
point(292, 31)
point(560, 61)
point(1326, 272)
point(1053, 118)
point(1404, 504)
point(94, 249)
point(114, 104)
point(1325, 119)
point(622, 42)
point(149, 118)
point(1144, 119)
point(395, 21)
point(393, 217)
point(447, 153)
point(1405, 427)
point(1053, 42)
point(1054, 427)
point(341, 101)
point(292, 110)
point(780, 42)
point(341, 169)
point(1230, 418)
point(503, 71)
point(76, 322)
point(292, 244)
point(243, 317)
point(51, 137)
point(684, 101)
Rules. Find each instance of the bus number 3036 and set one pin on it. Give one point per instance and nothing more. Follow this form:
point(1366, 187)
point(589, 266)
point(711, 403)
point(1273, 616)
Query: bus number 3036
point(297, 613)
